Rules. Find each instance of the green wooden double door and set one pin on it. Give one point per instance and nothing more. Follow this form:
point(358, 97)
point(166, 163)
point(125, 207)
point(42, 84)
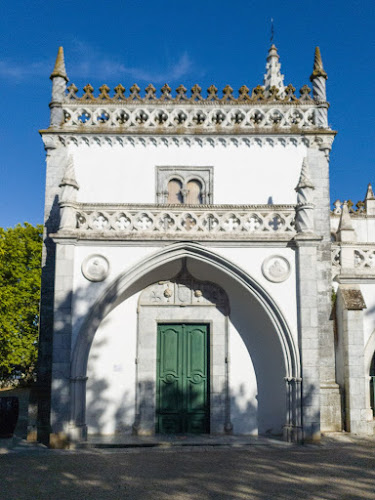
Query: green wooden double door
point(182, 398)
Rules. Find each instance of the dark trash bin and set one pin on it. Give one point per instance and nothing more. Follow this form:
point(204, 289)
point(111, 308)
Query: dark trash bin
point(8, 415)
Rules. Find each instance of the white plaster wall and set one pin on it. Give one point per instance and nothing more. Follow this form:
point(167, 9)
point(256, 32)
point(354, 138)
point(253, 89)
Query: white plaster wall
point(258, 339)
point(110, 394)
point(254, 350)
point(242, 386)
point(284, 294)
point(364, 228)
point(87, 292)
point(123, 258)
point(242, 174)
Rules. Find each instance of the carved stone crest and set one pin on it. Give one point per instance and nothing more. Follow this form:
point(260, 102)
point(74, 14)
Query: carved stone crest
point(95, 267)
point(276, 268)
point(185, 290)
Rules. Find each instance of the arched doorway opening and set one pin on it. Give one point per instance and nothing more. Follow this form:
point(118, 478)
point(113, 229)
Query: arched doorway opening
point(260, 339)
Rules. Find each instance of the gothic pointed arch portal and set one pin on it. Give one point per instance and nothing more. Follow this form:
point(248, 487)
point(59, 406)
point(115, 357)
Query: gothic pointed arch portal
point(267, 336)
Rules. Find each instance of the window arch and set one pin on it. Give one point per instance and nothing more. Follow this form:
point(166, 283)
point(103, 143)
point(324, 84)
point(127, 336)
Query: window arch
point(184, 185)
point(175, 191)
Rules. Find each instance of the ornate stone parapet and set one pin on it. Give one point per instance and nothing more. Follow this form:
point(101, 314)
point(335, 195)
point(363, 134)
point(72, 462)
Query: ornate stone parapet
point(183, 221)
point(358, 258)
point(198, 117)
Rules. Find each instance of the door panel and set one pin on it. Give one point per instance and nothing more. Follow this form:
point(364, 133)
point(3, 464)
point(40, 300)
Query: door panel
point(183, 379)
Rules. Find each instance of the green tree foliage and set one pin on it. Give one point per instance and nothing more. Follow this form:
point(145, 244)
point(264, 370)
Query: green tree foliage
point(20, 273)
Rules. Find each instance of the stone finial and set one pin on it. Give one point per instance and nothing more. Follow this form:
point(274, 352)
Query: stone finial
point(273, 76)
point(69, 178)
point(318, 69)
point(304, 180)
point(59, 69)
point(305, 207)
point(318, 79)
point(370, 201)
point(69, 188)
point(370, 193)
point(345, 231)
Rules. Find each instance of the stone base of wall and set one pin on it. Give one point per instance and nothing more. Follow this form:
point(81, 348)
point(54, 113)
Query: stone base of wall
point(330, 408)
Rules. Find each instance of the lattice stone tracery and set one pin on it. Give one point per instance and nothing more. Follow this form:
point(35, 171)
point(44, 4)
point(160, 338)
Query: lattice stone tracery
point(206, 117)
point(196, 220)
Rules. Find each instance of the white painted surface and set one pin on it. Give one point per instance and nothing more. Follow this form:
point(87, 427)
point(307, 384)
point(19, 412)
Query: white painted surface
point(110, 394)
point(257, 391)
point(242, 174)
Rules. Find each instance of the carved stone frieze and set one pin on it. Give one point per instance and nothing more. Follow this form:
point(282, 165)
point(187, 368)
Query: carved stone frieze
point(181, 221)
point(185, 290)
point(208, 117)
point(180, 141)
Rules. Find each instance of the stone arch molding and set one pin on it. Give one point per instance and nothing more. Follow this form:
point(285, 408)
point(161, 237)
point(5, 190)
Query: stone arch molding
point(128, 283)
point(369, 352)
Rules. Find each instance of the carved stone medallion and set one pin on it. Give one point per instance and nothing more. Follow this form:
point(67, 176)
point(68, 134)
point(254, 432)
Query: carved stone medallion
point(95, 267)
point(276, 268)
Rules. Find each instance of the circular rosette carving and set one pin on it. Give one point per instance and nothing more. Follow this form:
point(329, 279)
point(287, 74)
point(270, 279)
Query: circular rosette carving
point(166, 222)
point(99, 221)
point(199, 117)
point(231, 223)
point(237, 116)
point(276, 268)
point(121, 222)
point(121, 117)
point(252, 223)
point(81, 220)
point(275, 117)
point(141, 117)
point(209, 222)
point(178, 117)
point(101, 116)
point(188, 222)
point(257, 117)
point(82, 116)
point(295, 117)
point(143, 221)
point(95, 267)
point(274, 222)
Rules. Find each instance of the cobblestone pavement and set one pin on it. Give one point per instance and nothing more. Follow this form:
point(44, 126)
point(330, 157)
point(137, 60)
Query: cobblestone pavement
point(334, 470)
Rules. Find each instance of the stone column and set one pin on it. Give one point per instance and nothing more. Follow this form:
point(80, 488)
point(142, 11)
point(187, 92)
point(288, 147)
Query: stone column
point(307, 304)
point(55, 165)
point(62, 337)
point(330, 399)
point(350, 359)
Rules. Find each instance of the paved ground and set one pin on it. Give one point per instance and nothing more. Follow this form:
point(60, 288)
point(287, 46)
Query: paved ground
point(336, 470)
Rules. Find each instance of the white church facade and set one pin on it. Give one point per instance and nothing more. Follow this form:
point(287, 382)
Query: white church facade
point(195, 278)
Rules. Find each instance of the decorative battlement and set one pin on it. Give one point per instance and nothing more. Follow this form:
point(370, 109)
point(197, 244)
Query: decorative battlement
point(268, 106)
point(245, 96)
point(198, 222)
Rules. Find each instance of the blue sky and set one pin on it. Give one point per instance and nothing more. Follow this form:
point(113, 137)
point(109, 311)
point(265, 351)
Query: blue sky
point(191, 42)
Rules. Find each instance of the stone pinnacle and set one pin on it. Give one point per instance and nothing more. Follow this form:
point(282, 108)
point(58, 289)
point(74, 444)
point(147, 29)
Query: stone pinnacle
point(59, 69)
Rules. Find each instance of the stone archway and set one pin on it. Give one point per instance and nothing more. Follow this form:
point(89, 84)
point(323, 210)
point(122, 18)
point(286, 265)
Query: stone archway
point(149, 271)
